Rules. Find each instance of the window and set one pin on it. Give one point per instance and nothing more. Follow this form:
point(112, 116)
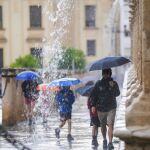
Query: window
point(90, 15)
point(35, 16)
point(38, 54)
point(1, 18)
point(91, 47)
point(1, 58)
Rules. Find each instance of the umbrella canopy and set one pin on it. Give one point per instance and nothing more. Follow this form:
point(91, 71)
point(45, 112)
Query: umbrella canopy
point(27, 75)
point(85, 90)
point(44, 87)
point(64, 82)
point(109, 62)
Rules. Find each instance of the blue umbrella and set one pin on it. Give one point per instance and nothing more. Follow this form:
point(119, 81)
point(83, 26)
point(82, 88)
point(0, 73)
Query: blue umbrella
point(64, 82)
point(85, 90)
point(109, 62)
point(27, 75)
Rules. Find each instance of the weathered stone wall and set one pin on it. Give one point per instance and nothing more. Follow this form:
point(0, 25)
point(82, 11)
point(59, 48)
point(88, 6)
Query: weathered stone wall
point(13, 108)
point(136, 131)
point(140, 47)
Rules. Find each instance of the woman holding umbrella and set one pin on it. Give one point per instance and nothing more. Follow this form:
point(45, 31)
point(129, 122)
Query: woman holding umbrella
point(30, 95)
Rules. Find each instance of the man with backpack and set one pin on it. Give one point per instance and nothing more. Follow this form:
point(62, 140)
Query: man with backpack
point(104, 102)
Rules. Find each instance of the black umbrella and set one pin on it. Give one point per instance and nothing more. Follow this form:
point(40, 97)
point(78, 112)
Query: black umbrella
point(85, 90)
point(109, 62)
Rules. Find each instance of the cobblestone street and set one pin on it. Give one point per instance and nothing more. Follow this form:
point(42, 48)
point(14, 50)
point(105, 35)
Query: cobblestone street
point(41, 136)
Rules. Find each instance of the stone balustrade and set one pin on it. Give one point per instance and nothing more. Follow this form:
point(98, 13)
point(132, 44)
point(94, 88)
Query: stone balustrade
point(12, 98)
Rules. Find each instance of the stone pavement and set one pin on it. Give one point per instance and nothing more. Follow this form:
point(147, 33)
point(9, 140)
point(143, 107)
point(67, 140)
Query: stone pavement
point(41, 136)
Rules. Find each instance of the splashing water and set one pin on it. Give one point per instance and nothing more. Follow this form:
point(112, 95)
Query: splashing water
point(53, 43)
point(58, 13)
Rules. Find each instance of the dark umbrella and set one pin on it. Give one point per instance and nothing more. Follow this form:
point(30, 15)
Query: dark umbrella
point(85, 90)
point(109, 62)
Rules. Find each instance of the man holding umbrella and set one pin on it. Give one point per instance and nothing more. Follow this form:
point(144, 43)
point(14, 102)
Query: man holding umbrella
point(104, 101)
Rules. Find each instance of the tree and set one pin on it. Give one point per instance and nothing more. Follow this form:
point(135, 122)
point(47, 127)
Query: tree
point(72, 57)
point(27, 61)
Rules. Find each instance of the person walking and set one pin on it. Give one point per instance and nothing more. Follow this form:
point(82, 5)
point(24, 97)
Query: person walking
point(30, 94)
point(104, 101)
point(65, 99)
point(95, 123)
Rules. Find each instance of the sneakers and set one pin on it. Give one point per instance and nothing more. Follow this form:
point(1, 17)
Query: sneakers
point(57, 133)
point(104, 144)
point(69, 137)
point(110, 146)
point(94, 142)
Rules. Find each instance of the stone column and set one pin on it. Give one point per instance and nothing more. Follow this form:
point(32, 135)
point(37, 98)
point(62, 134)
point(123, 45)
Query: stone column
point(12, 100)
point(135, 130)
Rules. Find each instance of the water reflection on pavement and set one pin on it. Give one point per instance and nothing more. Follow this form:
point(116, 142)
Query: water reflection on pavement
point(41, 136)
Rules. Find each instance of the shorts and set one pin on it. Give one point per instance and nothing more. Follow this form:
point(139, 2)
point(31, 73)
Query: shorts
point(107, 118)
point(95, 121)
point(65, 116)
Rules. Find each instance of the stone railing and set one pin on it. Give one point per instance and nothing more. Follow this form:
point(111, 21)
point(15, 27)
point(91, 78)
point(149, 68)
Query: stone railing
point(12, 98)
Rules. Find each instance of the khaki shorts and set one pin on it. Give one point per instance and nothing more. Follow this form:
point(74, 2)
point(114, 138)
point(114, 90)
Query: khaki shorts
point(107, 117)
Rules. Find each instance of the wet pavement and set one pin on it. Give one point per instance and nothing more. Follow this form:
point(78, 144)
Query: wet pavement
point(42, 137)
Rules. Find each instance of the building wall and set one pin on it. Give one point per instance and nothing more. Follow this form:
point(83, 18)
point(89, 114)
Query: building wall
point(17, 38)
point(136, 132)
point(81, 33)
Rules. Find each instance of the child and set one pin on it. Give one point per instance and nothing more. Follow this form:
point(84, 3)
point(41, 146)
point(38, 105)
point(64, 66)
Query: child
point(95, 123)
point(65, 99)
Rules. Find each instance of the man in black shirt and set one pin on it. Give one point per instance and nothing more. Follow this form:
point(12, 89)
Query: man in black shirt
point(104, 101)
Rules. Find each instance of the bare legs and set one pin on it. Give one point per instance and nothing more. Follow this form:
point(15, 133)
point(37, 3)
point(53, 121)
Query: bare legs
point(94, 130)
point(110, 133)
point(29, 109)
point(69, 125)
point(57, 130)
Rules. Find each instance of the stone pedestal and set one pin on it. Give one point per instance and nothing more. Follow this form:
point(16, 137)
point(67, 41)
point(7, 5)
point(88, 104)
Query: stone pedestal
point(12, 100)
point(132, 120)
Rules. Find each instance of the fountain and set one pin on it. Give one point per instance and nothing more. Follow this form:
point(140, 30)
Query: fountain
point(58, 14)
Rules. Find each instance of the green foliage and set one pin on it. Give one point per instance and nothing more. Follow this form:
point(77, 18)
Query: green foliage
point(72, 56)
point(27, 61)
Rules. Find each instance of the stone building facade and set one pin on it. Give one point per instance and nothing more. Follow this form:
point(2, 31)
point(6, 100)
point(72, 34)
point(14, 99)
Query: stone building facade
point(22, 28)
point(89, 28)
point(135, 128)
point(23, 25)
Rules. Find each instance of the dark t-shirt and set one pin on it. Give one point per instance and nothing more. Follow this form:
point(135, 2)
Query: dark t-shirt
point(104, 97)
point(29, 89)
